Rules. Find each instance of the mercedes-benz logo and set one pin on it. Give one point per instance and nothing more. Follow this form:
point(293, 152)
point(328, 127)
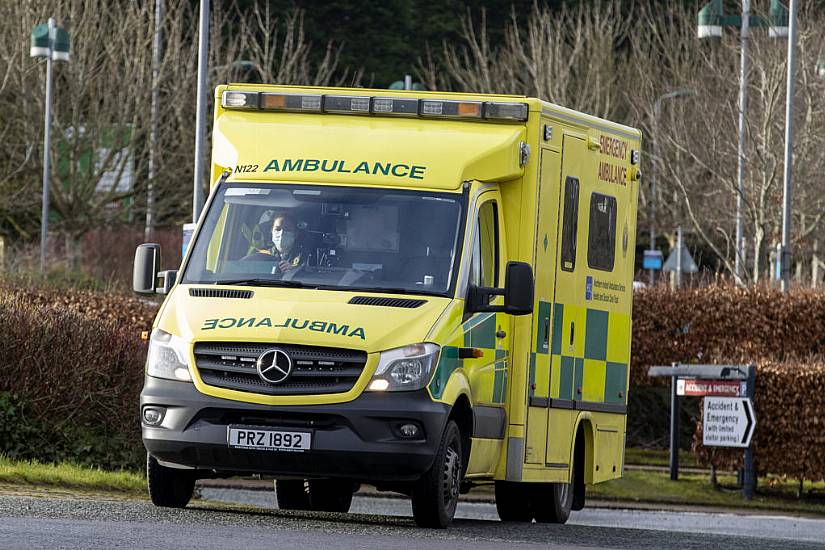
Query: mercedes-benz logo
point(274, 366)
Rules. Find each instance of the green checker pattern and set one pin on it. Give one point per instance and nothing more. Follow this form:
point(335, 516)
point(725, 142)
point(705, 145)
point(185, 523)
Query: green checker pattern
point(571, 369)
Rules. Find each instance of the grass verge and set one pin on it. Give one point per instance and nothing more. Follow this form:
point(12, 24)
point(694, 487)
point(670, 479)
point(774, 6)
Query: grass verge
point(656, 457)
point(22, 473)
point(773, 493)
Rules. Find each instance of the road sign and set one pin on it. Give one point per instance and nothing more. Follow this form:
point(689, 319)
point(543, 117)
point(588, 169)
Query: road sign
point(720, 388)
point(728, 422)
point(688, 265)
point(652, 259)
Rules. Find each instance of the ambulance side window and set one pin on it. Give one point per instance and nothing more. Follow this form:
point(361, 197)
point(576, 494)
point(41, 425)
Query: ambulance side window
point(570, 224)
point(484, 266)
point(601, 240)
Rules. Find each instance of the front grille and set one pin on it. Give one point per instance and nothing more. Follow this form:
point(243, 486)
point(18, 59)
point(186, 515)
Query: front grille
point(314, 369)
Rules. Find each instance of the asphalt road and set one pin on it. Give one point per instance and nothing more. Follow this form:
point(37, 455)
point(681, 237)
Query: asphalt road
point(45, 522)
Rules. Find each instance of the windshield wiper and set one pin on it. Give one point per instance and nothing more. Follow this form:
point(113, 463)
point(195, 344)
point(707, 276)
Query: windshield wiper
point(264, 282)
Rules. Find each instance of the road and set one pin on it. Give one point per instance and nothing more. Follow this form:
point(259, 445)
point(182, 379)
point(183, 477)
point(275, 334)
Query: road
point(47, 522)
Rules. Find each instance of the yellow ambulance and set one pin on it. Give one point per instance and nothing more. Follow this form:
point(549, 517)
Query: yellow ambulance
point(421, 291)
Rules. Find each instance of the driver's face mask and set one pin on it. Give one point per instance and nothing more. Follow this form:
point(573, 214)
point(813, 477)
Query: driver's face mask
point(283, 239)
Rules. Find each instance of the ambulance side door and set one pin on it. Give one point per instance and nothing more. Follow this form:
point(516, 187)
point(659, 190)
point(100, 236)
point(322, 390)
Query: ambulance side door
point(569, 310)
point(485, 332)
point(544, 254)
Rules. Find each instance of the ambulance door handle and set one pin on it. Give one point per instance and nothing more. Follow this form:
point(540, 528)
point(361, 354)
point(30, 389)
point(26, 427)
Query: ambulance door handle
point(572, 333)
point(546, 331)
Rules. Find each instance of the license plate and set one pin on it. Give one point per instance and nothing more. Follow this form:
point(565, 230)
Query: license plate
point(260, 439)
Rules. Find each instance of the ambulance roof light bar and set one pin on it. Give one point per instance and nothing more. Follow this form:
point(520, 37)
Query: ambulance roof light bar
point(372, 105)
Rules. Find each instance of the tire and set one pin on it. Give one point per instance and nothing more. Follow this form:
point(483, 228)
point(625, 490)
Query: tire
point(292, 494)
point(330, 495)
point(435, 495)
point(552, 502)
point(317, 495)
point(168, 487)
point(514, 502)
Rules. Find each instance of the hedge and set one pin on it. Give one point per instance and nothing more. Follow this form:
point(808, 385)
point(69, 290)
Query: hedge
point(73, 368)
point(790, 429)
point(725, 324)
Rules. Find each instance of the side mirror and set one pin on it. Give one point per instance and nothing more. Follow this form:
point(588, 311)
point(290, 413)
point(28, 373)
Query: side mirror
point(147, 265)
point(517, 292)
point(518, 289)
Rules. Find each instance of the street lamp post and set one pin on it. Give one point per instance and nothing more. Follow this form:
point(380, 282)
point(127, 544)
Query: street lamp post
point(711, 20)
point(785, 256)
point(153, 122)
point(657, 111)
point(200, 117)
point(51, 42)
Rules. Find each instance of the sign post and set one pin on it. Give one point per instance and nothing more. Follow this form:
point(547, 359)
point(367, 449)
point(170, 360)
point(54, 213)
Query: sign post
point(729, 417)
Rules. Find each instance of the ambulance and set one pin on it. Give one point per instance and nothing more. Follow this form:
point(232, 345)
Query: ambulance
point(420, 291)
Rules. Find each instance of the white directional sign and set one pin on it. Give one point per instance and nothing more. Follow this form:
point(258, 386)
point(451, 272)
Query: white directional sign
point(729, 422)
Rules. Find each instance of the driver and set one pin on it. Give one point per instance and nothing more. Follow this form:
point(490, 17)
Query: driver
point(286, 250)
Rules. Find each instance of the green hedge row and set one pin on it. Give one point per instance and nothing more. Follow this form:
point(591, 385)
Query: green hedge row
point(72, 371)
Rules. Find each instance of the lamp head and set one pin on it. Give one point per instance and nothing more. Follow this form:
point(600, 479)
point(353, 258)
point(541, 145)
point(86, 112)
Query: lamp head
point(710, 20)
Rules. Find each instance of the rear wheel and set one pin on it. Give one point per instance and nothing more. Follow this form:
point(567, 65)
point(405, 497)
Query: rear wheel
point(168, 487)
point(330, 495)
point(318, 495)
point(514, 501)
point(435, 495)
point(292, 494)
point(552, 502)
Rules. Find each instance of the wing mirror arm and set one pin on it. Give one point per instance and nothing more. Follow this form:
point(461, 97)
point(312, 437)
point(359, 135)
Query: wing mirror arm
point(147, 270)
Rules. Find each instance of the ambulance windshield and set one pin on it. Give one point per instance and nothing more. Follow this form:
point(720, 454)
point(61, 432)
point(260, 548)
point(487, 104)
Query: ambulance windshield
point(329, 238)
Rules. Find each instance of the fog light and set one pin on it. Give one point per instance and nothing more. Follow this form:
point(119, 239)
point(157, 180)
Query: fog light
point(408, 430)
point(152, 416)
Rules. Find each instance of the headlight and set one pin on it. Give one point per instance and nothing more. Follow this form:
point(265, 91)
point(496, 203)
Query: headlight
point(167, 357)
point(407, 368)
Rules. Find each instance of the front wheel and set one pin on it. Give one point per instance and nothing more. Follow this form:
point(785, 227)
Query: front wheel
point(435, 495)
point(168, 487)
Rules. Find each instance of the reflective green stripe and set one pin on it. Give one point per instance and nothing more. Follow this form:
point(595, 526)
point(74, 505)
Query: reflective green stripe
point(566, 368)
point(448, 361)
point(483, 335)
point(578, 380)
point(558, 323)
point(614, 383)
point(595, 335)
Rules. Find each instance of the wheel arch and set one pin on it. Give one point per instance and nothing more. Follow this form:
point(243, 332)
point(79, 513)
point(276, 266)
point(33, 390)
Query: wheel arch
point(584, 435)
point(461, 413)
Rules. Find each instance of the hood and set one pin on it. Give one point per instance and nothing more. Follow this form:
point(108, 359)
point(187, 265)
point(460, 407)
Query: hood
point(301, 316)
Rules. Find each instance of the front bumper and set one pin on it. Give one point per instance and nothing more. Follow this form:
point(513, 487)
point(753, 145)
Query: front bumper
point(357, 440)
